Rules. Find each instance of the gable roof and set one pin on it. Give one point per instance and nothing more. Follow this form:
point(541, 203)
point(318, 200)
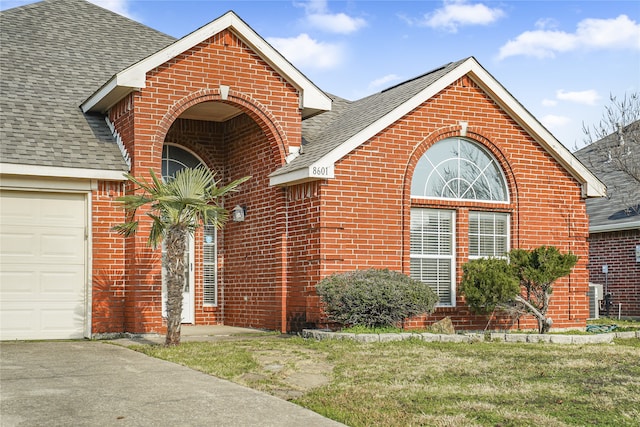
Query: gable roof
point(620, 209)
point(312, 99)
point(357, 122)
point(44, 81)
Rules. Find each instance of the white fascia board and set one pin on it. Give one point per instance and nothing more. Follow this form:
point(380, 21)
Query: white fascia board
point(98, 96)
point(634, 225)
point(134, 77)
point(60, 172)
point(309, 173)
point(591, 186)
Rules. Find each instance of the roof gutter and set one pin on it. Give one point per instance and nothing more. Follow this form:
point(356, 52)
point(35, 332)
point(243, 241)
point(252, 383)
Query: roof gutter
point(61, 172)
point(634, 225)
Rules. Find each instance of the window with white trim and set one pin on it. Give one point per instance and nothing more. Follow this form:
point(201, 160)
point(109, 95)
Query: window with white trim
point(432, 251)
point(488, 234)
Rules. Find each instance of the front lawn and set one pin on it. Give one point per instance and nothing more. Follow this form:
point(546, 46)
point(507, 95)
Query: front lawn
point(432, 384)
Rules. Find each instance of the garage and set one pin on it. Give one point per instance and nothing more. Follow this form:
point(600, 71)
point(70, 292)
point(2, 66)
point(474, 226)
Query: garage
point(42, 265)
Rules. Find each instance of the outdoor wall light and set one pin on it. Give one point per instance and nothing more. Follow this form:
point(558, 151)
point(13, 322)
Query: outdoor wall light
point(239, 213)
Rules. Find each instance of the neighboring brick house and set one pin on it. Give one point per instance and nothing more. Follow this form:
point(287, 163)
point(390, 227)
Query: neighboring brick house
point(417, 178)
point(614, 221)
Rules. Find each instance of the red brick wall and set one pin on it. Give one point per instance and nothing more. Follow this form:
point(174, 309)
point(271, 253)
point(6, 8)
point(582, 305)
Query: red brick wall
point(617, 250)
point(365, 209)
point(108, 260)
point(304, 255)
point(252, 265)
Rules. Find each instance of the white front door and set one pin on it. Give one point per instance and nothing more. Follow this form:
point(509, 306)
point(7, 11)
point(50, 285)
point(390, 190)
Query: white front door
point(188, 294)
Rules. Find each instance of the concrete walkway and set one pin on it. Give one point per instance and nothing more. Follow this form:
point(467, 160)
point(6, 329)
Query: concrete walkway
point(93, 383)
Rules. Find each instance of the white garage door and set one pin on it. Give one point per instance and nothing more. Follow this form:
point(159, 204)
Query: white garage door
point(42, 265)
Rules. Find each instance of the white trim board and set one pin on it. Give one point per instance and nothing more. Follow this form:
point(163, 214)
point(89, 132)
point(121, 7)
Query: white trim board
point(61, 172)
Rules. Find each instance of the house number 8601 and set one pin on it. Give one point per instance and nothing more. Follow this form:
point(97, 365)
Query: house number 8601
point(320, 171)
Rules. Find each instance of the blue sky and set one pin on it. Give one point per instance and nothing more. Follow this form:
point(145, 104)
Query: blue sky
point(560, 59)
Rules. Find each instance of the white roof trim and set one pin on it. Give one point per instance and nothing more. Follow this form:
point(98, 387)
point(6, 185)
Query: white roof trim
point(591, 186)
point(61, 172)
point(134, 77)
point(310, 173)
point(633, 225)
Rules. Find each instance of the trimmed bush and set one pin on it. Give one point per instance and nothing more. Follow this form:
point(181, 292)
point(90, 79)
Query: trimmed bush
point(488, 283)
point(374, 298)
point(523, 285)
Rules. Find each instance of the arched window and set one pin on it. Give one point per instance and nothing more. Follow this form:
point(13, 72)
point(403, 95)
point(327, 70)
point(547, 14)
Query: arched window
point(456, 168)
point(175, 158)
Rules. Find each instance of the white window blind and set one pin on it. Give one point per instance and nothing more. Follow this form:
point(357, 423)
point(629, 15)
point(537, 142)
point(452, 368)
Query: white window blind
point(209, 255)
point(432, 251)
point(488, 234)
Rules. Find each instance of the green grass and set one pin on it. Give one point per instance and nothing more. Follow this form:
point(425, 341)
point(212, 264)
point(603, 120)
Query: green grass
point(411, 382)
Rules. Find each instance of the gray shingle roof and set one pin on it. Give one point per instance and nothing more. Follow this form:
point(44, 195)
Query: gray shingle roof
point(620, 208)
point(53, 55)
point(325, 132)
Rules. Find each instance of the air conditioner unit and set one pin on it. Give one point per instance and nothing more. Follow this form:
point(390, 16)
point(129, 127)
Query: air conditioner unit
point(595, 296)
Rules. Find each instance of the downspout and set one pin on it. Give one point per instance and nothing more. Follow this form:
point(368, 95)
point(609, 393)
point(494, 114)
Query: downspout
point(285, 258)
point(220, 245)
point(569, 279)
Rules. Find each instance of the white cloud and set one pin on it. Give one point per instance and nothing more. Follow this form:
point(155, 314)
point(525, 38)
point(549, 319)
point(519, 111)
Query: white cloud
point(458, 13)
point(319, 17)
point(305, 52)
point(120, 7)
point(336, 23)
point(585, 97)
point(383, 81)
point(546, 24)
point(549, 102)
point(553, 121)
point(618, 33)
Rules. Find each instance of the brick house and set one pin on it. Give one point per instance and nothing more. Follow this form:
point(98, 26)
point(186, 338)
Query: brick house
point(614, 222)
point(417, 178)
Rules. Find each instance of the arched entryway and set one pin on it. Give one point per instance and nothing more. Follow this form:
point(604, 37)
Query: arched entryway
point(237, 271)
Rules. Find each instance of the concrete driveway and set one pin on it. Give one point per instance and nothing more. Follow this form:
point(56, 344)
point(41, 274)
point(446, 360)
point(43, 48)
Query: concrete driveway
point(90, 383)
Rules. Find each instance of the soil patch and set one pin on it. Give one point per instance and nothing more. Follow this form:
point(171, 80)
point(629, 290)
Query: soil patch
point(289, 374)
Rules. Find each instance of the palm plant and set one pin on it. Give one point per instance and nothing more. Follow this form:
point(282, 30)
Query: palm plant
point(177, 207)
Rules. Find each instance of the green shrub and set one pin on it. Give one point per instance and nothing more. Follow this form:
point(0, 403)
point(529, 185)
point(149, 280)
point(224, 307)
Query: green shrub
point(374, 298)
point(488, 283)
point(523, 285)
